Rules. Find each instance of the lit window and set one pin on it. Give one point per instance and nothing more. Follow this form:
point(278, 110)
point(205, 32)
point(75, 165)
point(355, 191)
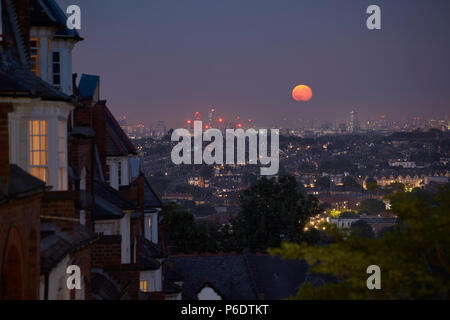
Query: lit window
point(39, 149)
point(34, 56)
point(143, 286)
point(56, 68)
point(62, 159)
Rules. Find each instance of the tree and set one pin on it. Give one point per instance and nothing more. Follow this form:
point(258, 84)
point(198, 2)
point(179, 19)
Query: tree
point(272, 210)
point(348, 215)
point(324, 183)
point(372, 206)
point(187, 236)
point(350, 183)
point(181, 230)
point(371, 184)
point(362, 229)
point(414, 256)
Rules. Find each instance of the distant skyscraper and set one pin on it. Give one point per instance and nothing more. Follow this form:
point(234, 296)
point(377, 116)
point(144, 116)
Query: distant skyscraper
point(123, 121)
point(211, 117)
point(197, 116)
point(353, 125)
point(159, 130)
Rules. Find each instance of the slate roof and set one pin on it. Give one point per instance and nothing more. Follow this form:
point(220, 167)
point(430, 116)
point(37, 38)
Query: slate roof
point(21, 183)
point(49, 13)
point(241, 277)
point(172, 288)
point(88, 85)
point(16, 80)
point(276, 278)
point(173, 276)
point(114, 197)
point(147, 260)
point(56, 244)
point(104, 287)
point(151, 199)
point(117, 142)
point(155, 250)
point(228, 273)
point(105, 210)
point(39, 16)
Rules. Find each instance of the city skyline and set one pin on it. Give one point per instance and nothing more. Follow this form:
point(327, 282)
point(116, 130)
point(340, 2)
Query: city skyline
point(245, 59)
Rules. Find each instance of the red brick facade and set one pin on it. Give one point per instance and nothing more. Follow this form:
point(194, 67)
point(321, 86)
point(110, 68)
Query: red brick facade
point(58, 208)
point(19, 249)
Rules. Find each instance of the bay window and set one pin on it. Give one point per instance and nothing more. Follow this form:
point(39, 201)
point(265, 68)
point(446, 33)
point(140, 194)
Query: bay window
point(38, 132)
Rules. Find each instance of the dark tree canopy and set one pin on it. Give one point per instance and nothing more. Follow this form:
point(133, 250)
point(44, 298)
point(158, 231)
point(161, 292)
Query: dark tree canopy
point(362, 229)
point(372, 206)
point(272, 211)
point(414, 256)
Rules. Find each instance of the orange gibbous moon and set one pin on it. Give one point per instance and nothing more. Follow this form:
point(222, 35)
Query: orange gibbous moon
point(302, 93)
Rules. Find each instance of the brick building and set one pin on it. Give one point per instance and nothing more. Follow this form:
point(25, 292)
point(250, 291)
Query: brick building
point(69, 192)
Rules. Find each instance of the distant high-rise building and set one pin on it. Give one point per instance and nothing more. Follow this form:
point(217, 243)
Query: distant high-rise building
point(211, 117)
point(353, 125)
point(159, 130)
point(124, 125)
point(342, 128)
point(123, 121)
point(197, 116)
point(415, 122)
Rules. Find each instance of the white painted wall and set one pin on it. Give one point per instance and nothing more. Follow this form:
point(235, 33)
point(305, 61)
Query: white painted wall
point(208, 293)
point(114, 164)
point(108, 227)
point(125, 231)
point(125, 172)
point(57, 282)
point(153, 278)
point(49, 44)
point(148, 226)
point(154, 238)
point(19, 138)
point(151, 226)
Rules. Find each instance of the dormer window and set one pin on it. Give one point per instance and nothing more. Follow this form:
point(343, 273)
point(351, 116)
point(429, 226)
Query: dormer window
point(56, 69)
point(34, 56)
point(39, 149)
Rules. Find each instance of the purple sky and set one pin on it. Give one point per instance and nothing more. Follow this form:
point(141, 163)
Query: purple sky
point(166, 59)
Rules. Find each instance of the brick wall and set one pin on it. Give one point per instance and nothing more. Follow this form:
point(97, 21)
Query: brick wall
point(4, 143)
point(99, 125)
point(59, 208)
point(82, 258)
point(23, 217)
point(83, 117)
point(106, 252)
point(133, 288)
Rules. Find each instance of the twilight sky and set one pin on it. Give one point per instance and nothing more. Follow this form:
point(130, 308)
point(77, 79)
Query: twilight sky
point(166, 59)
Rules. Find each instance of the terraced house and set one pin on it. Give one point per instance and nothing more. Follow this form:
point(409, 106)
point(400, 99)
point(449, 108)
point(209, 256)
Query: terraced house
point(71, 188)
